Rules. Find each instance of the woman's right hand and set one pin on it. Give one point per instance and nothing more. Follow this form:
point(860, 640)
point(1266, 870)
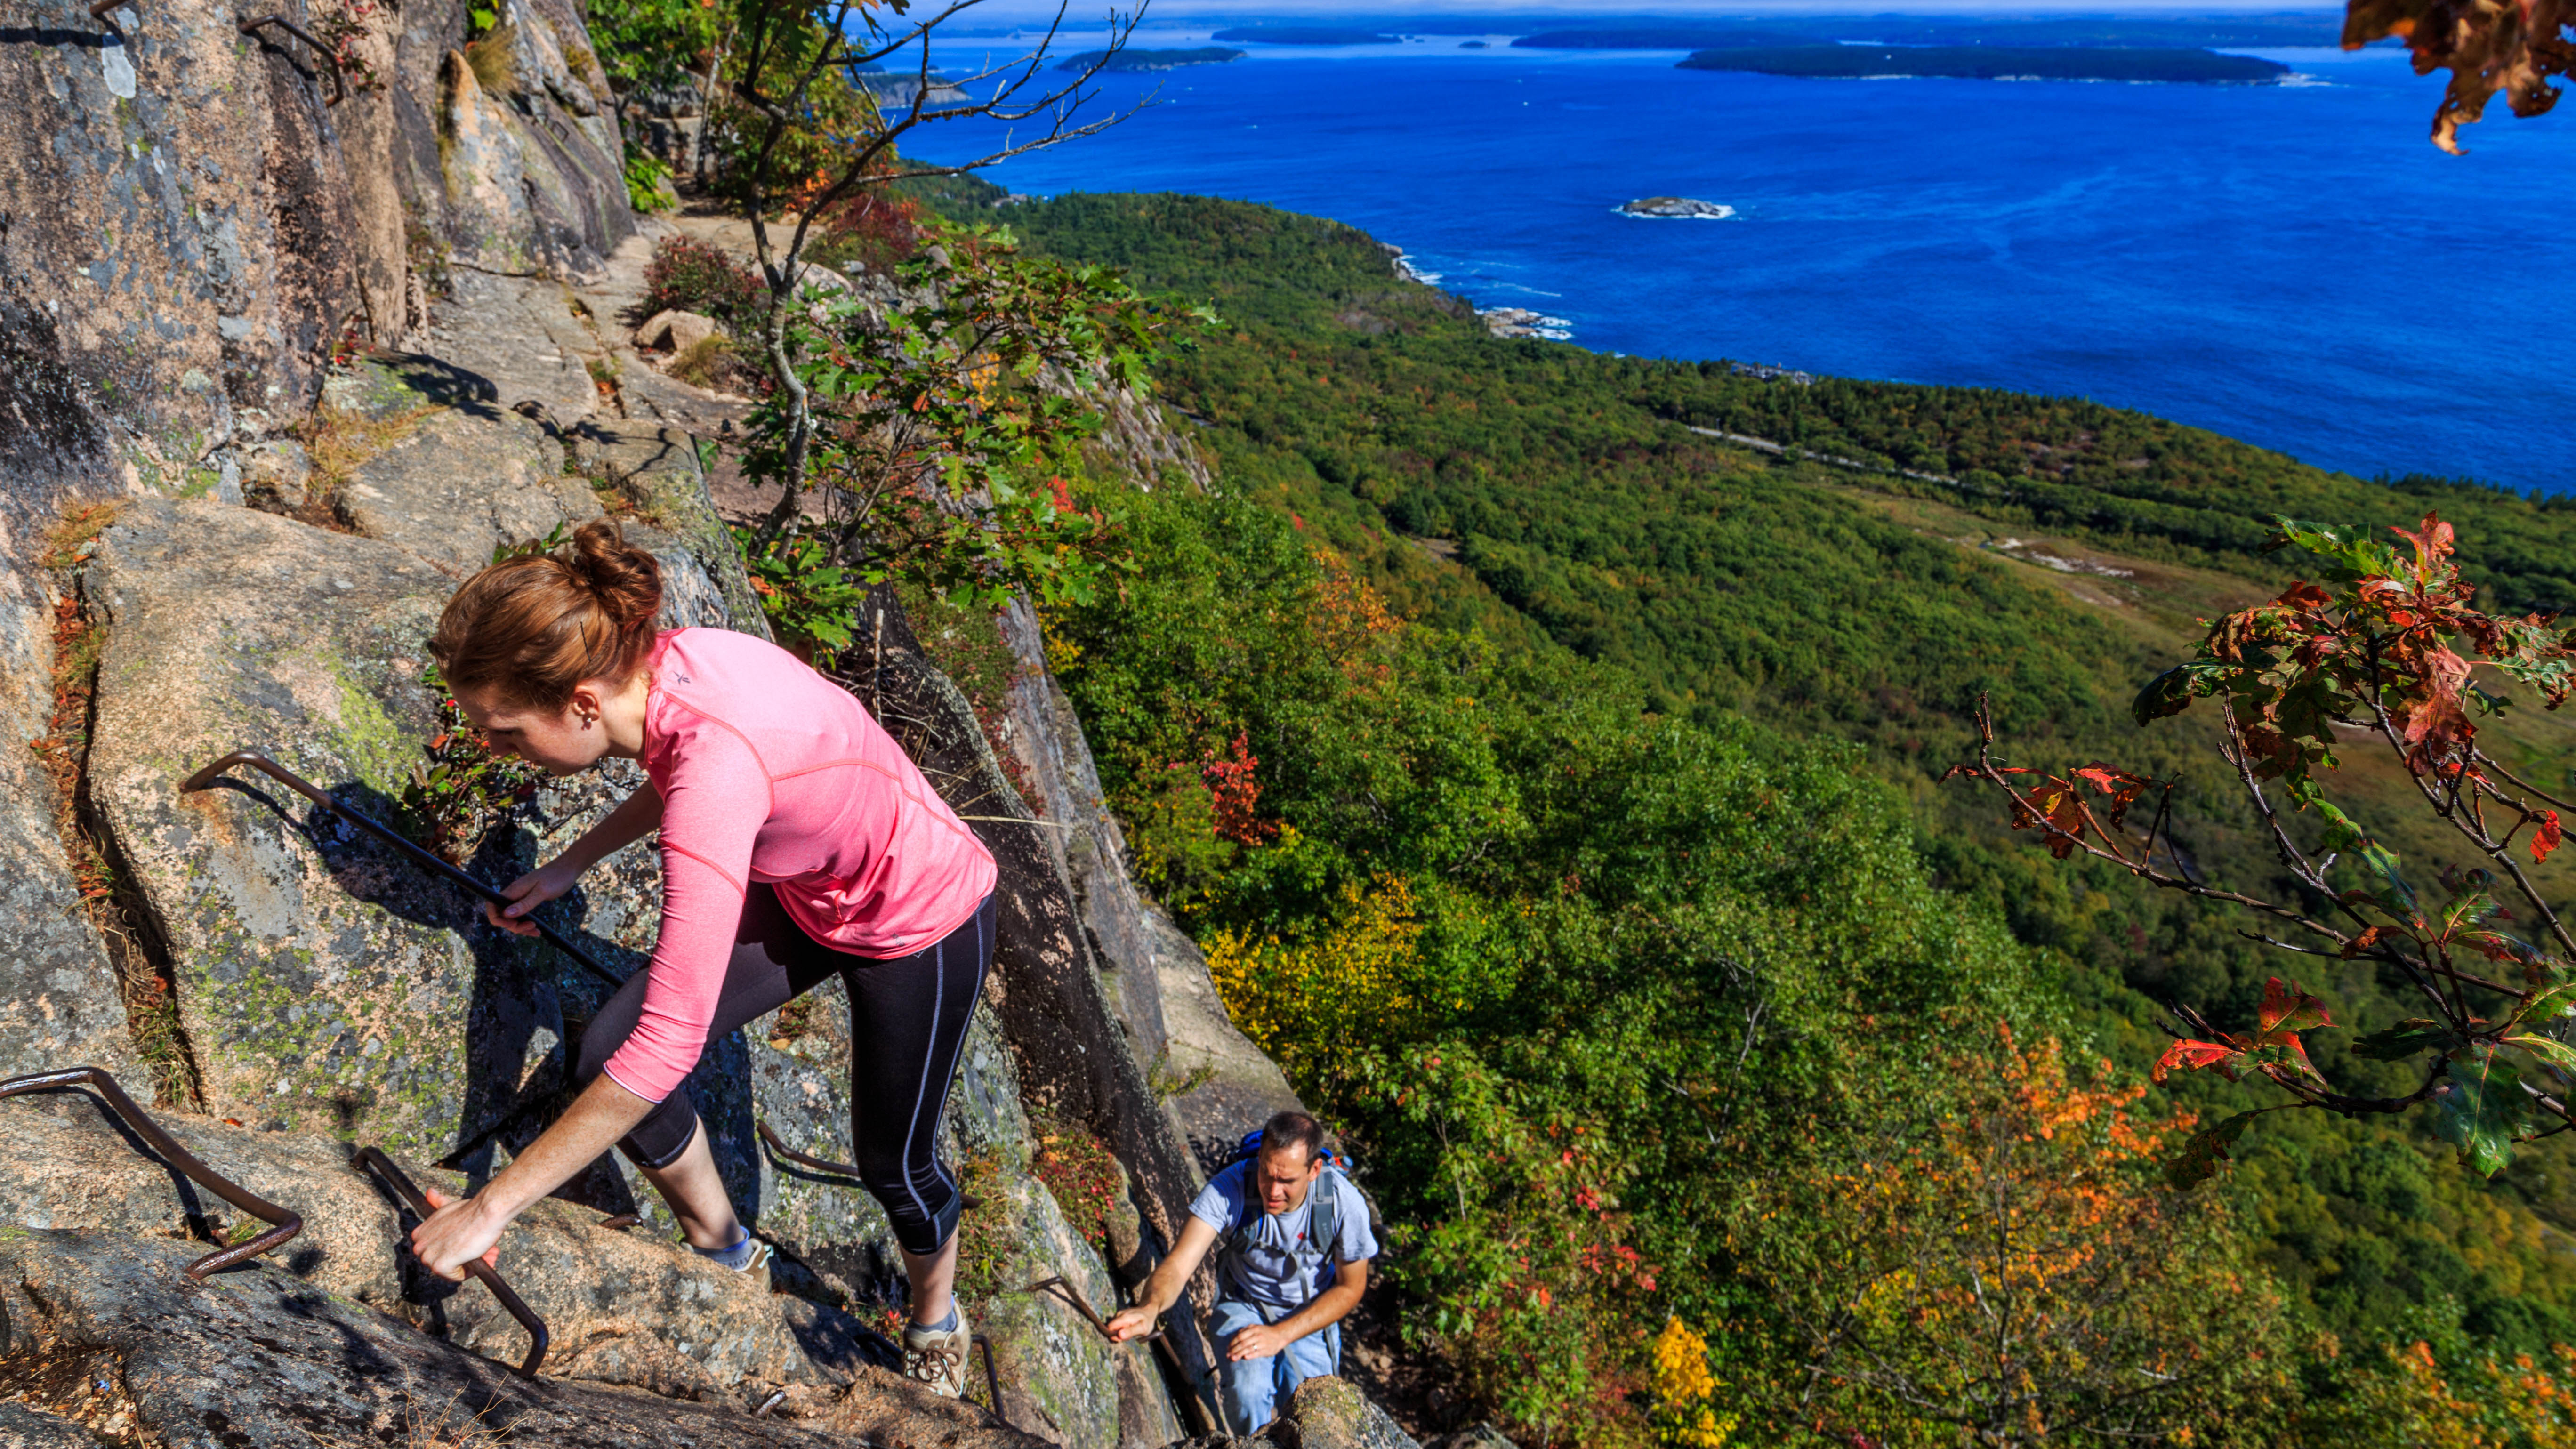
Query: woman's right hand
point(527, 893)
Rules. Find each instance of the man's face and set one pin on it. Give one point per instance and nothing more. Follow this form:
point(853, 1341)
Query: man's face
point(1283, 1178)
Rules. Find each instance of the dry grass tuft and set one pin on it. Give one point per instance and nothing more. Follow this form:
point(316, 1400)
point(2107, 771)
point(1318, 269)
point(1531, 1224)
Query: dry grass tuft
point(339, 442)
point(495, 60)
point(710, 363)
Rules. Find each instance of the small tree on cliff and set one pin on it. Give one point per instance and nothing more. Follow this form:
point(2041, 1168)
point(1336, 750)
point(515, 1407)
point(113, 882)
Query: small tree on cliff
point(815, 125)
point(2371, 656)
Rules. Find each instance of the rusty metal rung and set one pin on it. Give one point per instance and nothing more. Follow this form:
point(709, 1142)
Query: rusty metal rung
point(412, 1198)
point(992, 1380)
point(284, 1224)
point(339, 87)
point(389, 836)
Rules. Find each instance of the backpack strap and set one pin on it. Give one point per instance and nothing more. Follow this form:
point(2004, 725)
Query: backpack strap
point(1324, 1225)
point(1233, 1239)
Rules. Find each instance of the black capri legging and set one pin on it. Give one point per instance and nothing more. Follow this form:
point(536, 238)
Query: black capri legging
point(908, 1018)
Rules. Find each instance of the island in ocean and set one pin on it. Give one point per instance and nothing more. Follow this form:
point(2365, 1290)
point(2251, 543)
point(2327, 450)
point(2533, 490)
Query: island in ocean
point(1143, 60)
point(1305, 35)
point(1678, 208)
point(1990, 62)
point(2228, 32)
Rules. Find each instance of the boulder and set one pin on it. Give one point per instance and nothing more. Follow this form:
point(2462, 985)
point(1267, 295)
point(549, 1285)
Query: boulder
point(322, 982)
point(623, 1307)
point(255, 1358)
point(1325, 1413)
point(675, 330)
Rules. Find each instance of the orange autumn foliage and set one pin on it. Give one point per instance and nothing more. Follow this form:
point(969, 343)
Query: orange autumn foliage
point(2010, 1271)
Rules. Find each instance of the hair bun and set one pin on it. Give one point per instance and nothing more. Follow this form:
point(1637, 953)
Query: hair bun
point(626, 579)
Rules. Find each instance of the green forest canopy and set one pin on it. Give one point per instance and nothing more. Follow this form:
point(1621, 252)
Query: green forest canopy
point(1559, 503)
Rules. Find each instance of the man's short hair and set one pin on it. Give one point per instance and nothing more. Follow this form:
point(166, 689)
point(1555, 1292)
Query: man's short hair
point(1293, 1129)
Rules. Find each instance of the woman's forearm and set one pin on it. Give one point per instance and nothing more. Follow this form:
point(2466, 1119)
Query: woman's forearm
point(467, 1228)
point(603, 1113)
point(640, 815)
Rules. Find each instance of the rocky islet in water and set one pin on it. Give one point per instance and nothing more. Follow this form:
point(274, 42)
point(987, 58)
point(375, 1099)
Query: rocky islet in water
point(1676, 208)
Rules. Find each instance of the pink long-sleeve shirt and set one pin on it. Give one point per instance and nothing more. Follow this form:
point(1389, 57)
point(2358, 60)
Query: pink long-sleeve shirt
point(770, 772)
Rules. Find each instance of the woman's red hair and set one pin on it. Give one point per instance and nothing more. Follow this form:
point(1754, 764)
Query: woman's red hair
point(530, 630)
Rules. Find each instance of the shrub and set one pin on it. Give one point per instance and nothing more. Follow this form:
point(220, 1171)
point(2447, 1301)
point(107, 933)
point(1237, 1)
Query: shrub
point(691, 276)
point(870, 230)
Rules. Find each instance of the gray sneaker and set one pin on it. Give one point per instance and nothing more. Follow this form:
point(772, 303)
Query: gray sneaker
point(938, 1357)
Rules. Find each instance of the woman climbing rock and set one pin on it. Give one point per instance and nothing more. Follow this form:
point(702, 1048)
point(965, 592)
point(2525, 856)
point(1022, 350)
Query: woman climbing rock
point(798, 843)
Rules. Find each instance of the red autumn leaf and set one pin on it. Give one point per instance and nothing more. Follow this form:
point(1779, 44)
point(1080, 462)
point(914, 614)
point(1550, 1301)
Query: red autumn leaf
point(2544, 839)
point(2123, 788)
point(2363, 942)
point(2305, 595)
point(2191, 1056)
point(2432, 545)
point(2288, 1009)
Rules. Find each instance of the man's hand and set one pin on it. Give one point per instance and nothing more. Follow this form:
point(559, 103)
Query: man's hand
point(1129, 1323)
point(528, 892)
point(1261, 1340)
point(457, 1233)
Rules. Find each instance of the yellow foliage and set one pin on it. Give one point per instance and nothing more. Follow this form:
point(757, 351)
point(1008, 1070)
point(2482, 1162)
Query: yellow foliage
point(1349, 619)
point(1305, 1000)
point(1683, 1385)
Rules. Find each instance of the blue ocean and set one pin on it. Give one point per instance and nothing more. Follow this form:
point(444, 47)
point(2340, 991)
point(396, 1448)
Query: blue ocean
point(2292, 264)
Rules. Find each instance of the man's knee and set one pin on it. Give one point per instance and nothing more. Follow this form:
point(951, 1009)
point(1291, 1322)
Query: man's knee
point(1251, 1388)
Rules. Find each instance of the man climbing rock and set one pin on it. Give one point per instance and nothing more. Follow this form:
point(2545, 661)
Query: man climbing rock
point(1293, 1241)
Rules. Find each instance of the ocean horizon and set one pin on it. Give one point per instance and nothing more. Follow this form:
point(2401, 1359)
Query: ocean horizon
point(2292, 264)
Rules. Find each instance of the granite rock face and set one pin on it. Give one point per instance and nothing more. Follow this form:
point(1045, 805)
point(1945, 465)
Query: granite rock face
point(327, 986)
point(25, 1428)
point(255, 1358)
point(467, 479)
point(1174, 1020)
point(193, 228)
point(59, 1003)
point(527, 155)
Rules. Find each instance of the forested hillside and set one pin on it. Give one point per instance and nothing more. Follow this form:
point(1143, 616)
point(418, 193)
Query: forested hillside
point(1556, 783)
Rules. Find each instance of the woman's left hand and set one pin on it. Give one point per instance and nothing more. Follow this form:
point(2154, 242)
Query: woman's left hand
point(460, 1231)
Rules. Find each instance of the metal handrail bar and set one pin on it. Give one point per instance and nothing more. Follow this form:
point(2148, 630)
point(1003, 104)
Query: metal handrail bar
point(339, 87)
point(965, 1199)
point(409, 851)
point(412, 1198)
point(284, 1224)
point(1063, 1289)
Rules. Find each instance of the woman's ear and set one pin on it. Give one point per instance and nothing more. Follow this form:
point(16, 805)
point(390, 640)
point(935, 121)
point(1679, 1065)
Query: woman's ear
point(583, 707)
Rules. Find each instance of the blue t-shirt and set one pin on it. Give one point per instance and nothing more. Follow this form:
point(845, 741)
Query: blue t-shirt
point(1277, 1267)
